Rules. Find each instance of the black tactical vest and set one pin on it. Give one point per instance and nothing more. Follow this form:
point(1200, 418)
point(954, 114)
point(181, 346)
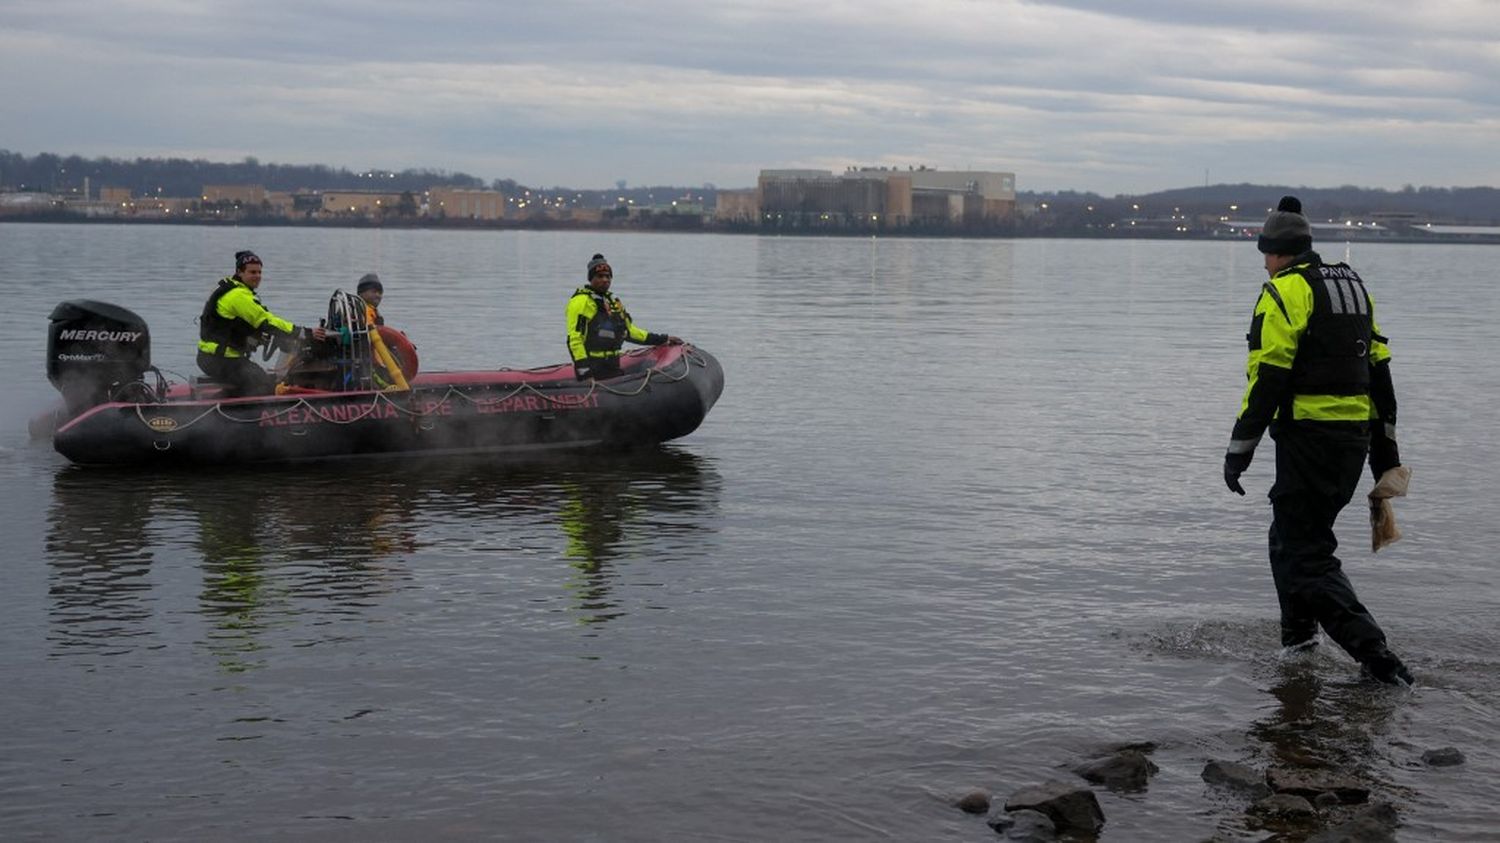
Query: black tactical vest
point(1333, 356)
point(606, 331)
point(228, 333)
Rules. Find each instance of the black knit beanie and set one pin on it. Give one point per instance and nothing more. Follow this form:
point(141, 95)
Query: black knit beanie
point(1286, 231)
point(243, 259)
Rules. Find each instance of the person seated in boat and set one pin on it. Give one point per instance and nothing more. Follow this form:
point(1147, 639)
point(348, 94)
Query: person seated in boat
point(350, 360)
point(234, 322)
point(599, 324)
point(371, 291)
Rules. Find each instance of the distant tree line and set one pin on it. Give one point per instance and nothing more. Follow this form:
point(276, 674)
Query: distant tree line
point(51, 173)
point(1455, 205)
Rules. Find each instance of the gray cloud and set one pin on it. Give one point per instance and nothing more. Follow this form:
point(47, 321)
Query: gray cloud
point(1069, 95)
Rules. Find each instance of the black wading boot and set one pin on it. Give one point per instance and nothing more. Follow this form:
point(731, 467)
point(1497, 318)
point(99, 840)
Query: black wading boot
point(1383, 666)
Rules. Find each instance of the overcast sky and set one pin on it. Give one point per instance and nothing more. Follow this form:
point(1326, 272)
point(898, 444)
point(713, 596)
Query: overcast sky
point(1078, 94)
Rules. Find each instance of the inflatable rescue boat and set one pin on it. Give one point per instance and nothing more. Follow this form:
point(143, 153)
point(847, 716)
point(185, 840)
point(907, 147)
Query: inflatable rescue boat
point(98, 357)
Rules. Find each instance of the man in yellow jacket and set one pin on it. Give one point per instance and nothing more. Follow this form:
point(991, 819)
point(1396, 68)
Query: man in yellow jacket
point(598, 325)
point(1319, 375)
point(233, 322)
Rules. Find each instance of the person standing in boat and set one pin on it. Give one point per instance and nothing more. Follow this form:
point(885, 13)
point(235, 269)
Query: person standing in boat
point(1319, 374)
point(598, 326)
point(233, 322)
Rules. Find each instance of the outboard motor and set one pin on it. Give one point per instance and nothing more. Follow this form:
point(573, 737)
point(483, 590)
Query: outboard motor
point(94, 349)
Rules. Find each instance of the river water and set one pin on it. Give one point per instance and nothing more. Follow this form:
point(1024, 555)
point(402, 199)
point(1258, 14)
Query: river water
point(957, 522)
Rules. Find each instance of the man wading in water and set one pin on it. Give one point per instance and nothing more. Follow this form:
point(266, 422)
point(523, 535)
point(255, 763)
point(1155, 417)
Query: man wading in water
point(1319, 374)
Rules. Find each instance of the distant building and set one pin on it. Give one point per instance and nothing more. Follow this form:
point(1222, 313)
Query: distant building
point(22, 204)
point(358, 203)
point(241, 195)
point(166, 207)
point(306, 203)
point(118, 196)
point(986, 196)
point(1327, 232)
point(465, 203)
point(91, 208)
point(281, 203)
point(684, 206)
point(737, 206)
point(1451, 233)
point(818, 198)
point(879, 197)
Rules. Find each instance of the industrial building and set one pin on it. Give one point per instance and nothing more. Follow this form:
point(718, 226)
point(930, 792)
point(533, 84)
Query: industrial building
point(873, 197)
point(244, 195)
point(465, 203)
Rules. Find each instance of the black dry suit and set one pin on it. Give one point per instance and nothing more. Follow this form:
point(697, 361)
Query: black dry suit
point(1318, 375)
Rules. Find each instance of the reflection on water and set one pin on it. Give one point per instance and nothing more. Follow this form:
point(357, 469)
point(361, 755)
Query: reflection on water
point(274, 550)
point(1321, 724)
point(1324, 724)
point(644, 505)
point(266, 549)
point(100, 558)
point(625, 511)
point(592, 519)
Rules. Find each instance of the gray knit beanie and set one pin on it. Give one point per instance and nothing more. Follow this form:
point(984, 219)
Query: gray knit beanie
point(595, 263)
point(370, 281)
point(1286, 231)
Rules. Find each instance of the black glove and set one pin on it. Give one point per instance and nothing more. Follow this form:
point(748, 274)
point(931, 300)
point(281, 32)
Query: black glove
point(583, 369)
point(1234, 466)
point(1384, 455)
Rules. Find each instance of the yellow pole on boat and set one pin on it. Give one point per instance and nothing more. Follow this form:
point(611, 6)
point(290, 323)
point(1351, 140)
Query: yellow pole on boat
point(384, 357)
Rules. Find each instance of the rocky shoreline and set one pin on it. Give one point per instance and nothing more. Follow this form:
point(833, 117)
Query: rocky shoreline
point(1311, 803)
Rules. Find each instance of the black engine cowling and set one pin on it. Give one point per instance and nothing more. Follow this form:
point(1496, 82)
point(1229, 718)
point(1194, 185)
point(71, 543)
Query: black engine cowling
point(93, 349)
